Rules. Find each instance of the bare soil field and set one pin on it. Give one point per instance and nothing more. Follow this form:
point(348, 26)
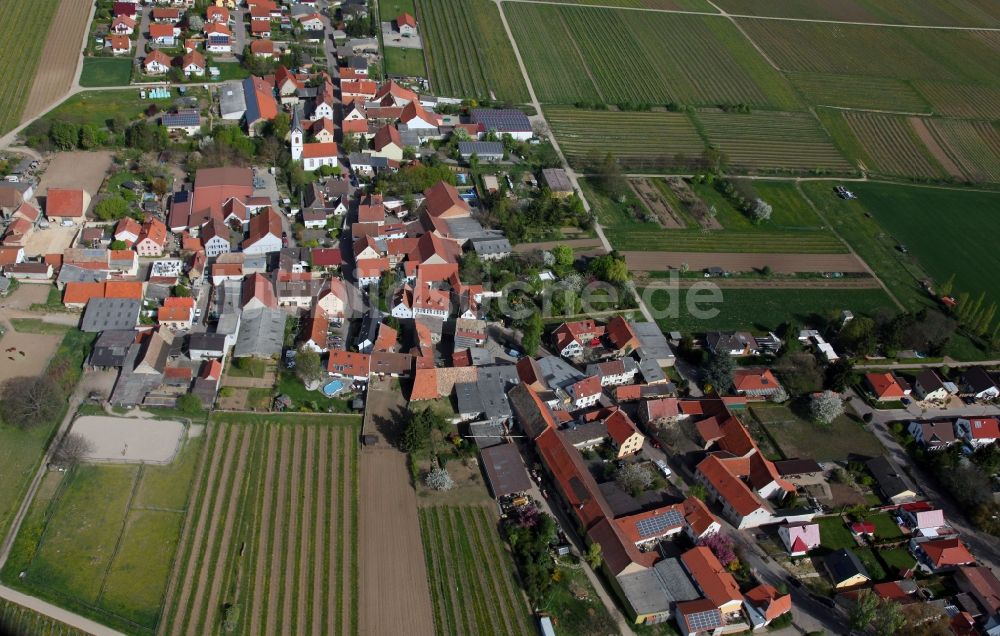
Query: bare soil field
point(656, 204)
point(78, 169)
point(780, 263)
point(130, 439)
point(395, 597)
point(60, 56)
point(25, 354)
point(25, 296)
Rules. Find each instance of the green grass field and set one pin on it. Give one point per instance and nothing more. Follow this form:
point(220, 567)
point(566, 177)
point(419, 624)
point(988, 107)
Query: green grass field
point(472, 581)
point(468, 53)
point(100, 541)
point(897, 559)
point(404, 62)
point(762, 309)
point(941, 12)
point(106, 71)
point(797, 437)
point(389, 9)
point(99, 107)
point(23, 33)
point(845, 91)
point(834, 533)
point(942, 229)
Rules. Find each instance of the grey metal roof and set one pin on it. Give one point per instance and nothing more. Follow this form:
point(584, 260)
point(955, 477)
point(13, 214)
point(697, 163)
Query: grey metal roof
point(658, 589)
point(583, 433)
point(557, 373)
point(110, 313)
point(232, 102)
point(207, 342)
point(75, 274)
point(261, 333)
point(505, 470)
point(492, 392)
point(488, 246)
point(468, 398)
point(557, 180)
point(507, 373)
point(843, 564)
point(481, 148)
point(486, 434)
point(651, 371)
point(652, 343)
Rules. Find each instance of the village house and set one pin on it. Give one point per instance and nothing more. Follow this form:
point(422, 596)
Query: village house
point(935, 435)
point(799, 538)
point(755, 383)
point(156, 63)
point(176, 313)
point(978, 431)
point(928, 386)
point(886, 387)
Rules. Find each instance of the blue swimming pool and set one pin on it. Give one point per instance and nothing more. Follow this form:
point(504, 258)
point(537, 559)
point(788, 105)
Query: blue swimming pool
point(333, 388)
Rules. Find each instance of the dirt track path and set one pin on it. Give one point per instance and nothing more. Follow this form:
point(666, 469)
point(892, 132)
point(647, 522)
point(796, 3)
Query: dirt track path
point(744, 262)
point(190, 519)
point(274, 580)
point(319, 545)
point(183, 608)
point(306, 560)
point(265, 529)
point(295, 510)
point(223, 558)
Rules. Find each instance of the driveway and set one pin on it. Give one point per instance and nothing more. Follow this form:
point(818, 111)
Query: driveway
point(140, 43)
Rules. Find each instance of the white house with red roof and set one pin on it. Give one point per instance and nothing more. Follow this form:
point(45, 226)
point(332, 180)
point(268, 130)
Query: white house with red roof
point(755, 383)
point(127, 230)
point(570, 338)
point(584, 393)
point(978, 431)
point(152, 239)
point(156, 63)
point(264, 235)
point(800, 538)
point(312, 155)
point(119, 44)
point(123, 25)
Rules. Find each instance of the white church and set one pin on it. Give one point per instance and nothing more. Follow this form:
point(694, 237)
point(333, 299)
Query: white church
point(312, 155)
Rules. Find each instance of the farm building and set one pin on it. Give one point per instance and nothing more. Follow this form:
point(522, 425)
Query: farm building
point(504, 121)
point(488, 151)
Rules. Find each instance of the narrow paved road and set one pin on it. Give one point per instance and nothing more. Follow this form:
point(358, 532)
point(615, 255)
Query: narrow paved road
point(57, 613)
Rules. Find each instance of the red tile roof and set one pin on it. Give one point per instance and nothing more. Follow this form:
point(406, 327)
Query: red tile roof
point(754, 380)
point(947, 552)
point(769, 601)
point(320, 150)
point(743, 500)
point(621, 334)
point(713, 580)
point(64, 202)
point(406, 19)
point(984, 427)
point(425, 386)
point(161, 31)
point(260, 288)
point(442, 199)
point(620, 427)
point(348, 363)
point(884, 385)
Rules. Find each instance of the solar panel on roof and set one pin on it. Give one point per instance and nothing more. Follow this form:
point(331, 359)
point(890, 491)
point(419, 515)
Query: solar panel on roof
point(704, 620)
point(658, 523)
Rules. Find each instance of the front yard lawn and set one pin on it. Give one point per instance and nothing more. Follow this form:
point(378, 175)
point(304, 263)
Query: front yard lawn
point(897, 559)
point(885, 526)
point(834, 533)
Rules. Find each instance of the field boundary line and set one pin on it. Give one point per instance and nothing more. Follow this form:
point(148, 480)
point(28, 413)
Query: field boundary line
point(121, 535)
point(276, 536)
point(742, 16)
point(256, 603)
point(885, 288)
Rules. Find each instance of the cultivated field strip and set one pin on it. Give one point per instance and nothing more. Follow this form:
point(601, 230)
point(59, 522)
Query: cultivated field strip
point(773, 142)
point(973, 146)
point(972, 13)
point(59, 58)
point(962, 100)
point(279, 553)
point(23, 32)
point(640, 141)
point(15, 619)
point(470, 574)
point(726, 241)
point(914, 54)
point(558, 72)
point(468, 52)
point(873, 93)
point(892, 146)
point(635, 57)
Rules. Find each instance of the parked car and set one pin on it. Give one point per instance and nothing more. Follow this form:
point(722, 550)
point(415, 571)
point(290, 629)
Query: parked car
point(662, 465)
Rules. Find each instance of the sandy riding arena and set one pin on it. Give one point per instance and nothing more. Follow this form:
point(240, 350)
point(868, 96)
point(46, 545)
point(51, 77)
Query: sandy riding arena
point(25, 354)
point(127, 439)
point(57, 66)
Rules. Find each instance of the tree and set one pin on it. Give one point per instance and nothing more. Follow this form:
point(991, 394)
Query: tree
point(760, 211)
point(30, 402)
point(698, 492)
point(439, 479)
point(189, 404)
point(71, 450)
point(64, 135)
point(181, 291)
point(718, 371)
point(531, 337)
point(195, 23)
point(593, 556)
point(609, 178)
point(863, 612)
point(859, 336)
point(799, 373)
point(111, 208)
point(634, 478)
point(779, 396)
point(90, 136)
point(280, 126)
point(563, 260)
point(839, 375)
point(118, 245)
point(610, 268)
point(417, 432)
point(721, 546)
point(826, 407)
point(146, 136)
point(308, 366)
